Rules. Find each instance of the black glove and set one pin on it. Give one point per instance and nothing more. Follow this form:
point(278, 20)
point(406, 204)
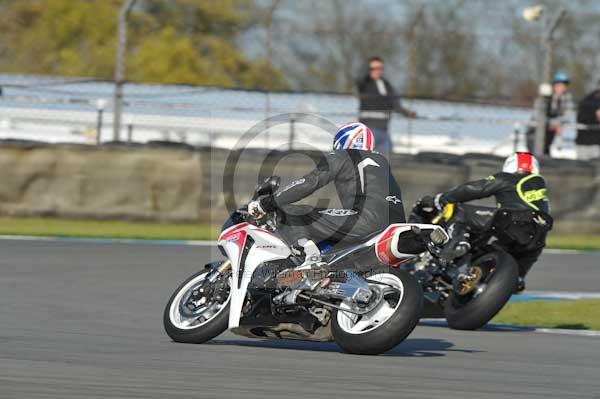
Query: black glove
point(426, 204)
point(267, 203)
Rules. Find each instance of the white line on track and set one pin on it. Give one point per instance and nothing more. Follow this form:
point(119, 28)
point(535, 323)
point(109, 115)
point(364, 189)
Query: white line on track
point(200, 243)
point(508, 327)
point(563, 295)
point(554, 251)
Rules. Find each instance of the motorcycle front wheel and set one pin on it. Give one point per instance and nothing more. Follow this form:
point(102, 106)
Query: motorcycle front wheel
point(198, 310)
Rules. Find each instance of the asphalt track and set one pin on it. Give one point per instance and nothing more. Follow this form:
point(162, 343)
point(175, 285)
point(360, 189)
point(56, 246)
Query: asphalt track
point(83, 320)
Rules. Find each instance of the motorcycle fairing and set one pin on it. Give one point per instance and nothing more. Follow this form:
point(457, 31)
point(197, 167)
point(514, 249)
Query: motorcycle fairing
point(265, 247)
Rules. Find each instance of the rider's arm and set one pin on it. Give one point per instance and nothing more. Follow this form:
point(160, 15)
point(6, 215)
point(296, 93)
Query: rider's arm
point(325, 172)
point(473, 190)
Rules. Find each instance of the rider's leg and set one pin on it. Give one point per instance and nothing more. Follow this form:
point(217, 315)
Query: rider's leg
point(293, 227)
point(309, 226)
point(466, 219)
point(319, 225)
point(526, 260)
point(458, 245)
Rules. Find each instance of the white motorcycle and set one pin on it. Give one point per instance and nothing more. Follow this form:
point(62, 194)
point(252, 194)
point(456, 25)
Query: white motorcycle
point(357, 296)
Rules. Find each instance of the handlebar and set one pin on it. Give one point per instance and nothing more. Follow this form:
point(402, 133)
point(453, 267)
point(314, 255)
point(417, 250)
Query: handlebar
point(433, 214)
point(267, 221)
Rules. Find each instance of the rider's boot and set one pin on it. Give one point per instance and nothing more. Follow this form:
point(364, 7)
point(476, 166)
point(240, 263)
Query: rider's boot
point(520, 287)
point(306, 277)
point(312, 254)
point(458, 245)
point(523, 270)
point(312, 257)
point(456, 250)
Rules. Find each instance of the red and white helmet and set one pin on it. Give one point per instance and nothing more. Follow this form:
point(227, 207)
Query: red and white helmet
point(521, 162)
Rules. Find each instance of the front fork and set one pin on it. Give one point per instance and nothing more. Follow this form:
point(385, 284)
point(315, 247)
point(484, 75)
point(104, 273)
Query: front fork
point(218, 269)
point(224, 267)
point(216, 272)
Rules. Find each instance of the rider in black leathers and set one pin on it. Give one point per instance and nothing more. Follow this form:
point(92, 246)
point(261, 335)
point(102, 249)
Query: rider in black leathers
point(518, 187)
point(369, 194)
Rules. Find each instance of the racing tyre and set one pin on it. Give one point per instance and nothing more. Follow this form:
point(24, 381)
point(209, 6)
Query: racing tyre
point(497, 277)
point(198, 310)
point(389, 322)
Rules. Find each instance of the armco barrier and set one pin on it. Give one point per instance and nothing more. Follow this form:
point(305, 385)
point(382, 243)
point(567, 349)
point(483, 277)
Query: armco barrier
point(180, 183)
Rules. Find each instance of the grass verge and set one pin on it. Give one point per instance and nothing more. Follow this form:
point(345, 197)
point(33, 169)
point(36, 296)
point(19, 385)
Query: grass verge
point(581, 314)
point(180, 231)
point(584, 243)
point(106, 229)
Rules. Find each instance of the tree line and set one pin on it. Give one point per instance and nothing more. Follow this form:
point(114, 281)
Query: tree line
point(461, 49)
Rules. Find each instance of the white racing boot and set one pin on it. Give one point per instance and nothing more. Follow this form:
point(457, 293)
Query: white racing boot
point(313, 268)
point(305, 277)
point(312, 254)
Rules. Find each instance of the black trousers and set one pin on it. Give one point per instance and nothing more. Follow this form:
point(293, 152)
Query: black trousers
point(548, 140)
point(320, 224)
point(549, 137)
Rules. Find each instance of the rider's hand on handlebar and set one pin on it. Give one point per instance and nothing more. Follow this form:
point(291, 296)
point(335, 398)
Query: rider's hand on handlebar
point(255, 210)
point(429, 203)
point(438, 203)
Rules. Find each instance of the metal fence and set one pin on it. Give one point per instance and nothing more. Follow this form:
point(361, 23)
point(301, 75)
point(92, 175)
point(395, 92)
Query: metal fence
point(59, 110)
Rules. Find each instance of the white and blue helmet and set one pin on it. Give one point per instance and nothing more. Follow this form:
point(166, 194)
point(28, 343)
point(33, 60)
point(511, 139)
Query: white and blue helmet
point(354, 136)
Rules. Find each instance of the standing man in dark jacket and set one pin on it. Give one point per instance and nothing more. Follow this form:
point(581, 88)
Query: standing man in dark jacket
point(588, 137)
point(377, 102)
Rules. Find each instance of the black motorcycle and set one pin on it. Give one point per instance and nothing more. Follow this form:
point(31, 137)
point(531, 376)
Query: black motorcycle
point(468, 283)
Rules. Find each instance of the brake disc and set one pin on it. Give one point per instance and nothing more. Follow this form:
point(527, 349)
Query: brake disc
point(470, 281)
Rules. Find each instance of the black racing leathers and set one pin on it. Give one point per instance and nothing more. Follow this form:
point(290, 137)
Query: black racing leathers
point(369, 194)
point(518, 192)
point(512, 191)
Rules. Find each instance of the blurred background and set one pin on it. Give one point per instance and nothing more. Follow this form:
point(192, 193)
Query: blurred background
point(130, 109)
point(204, 72)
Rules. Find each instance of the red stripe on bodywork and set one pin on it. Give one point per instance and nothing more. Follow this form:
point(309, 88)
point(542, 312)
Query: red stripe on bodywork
point(383, 249)
point(236, 234)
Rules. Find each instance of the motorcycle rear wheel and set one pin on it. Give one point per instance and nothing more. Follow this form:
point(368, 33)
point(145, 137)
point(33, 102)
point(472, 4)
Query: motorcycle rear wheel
point(388, 324)
point(475, 310)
